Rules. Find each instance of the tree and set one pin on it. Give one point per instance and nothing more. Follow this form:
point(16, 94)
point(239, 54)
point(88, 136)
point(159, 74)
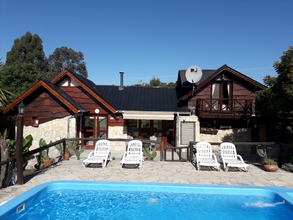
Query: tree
point(155, 81)
point(25, 64)
point(4, 94)
point(66, 58)
point(277, 100)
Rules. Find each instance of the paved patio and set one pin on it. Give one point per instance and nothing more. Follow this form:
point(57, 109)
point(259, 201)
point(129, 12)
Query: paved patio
point(151, 171)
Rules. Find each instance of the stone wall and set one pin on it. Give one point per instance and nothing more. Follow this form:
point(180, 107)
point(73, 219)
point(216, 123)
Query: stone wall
point(228, 135)
point(117, 147)
point(51, 131)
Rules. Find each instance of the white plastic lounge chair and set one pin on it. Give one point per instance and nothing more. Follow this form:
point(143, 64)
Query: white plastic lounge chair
point(230, 157)
point(204, 156)
point(101, 154)
point(133, 154)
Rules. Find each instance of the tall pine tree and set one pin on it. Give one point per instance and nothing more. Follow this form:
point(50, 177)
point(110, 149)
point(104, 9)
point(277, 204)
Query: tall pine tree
point(25, 64)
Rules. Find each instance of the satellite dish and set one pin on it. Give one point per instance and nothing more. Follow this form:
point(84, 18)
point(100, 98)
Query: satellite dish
point(193, 74)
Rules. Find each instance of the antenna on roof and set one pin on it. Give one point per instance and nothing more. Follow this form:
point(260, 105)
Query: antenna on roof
point(193, 75)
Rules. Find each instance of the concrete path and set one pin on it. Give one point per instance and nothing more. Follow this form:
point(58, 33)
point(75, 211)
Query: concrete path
point(151, 171)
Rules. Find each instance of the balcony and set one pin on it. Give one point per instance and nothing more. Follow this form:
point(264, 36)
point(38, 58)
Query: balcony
point(224, 108)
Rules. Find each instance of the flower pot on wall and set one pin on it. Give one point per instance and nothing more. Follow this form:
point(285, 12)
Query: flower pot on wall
point(208, 131)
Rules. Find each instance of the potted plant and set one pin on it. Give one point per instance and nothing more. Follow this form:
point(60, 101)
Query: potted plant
point(268, 164)
point(44, 160)
point(148, 154)
point(65, 154)
point(73, 149)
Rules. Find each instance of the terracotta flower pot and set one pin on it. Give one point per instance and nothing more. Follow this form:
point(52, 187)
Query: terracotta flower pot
point(270, 168)
point(47, 163)
point(66, 156)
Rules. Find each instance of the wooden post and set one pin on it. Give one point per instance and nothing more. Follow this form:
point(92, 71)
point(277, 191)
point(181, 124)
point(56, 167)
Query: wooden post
point(64, 148)
point(19, 164)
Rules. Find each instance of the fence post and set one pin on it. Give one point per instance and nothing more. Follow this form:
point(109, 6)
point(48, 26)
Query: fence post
point(64, 147)
point(19, 164)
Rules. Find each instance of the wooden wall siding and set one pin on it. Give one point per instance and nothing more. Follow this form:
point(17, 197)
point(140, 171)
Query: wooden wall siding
point(85, 99)
point(204, 93)
point(114, 122)
point(241, 91)
point(45, 107)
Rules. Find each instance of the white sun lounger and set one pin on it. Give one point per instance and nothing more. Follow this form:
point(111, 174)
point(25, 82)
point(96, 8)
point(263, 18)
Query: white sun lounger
point(204, 156)
point(101, 154)
point(230, 157)
point(133, 154)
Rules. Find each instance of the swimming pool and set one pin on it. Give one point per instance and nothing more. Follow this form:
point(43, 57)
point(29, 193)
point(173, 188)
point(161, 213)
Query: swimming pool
point(119, 200)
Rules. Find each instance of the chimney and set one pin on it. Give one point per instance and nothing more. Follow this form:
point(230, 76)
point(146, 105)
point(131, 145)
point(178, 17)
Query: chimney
point(121, 87)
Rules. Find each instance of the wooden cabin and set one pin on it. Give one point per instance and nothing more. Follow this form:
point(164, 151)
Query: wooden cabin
point(223, 98)
point(73, 106)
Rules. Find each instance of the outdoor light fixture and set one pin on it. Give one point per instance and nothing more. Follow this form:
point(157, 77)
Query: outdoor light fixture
point(21, 108)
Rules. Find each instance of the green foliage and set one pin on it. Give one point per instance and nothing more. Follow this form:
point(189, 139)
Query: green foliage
point(18, 78)
point(277, 100)
point(45, 153)
point(7, 123)
point(74, 149)
point(4, 135)
point(59, 147)
point(269, 162)
point(25, 64)
point(155, 81)
point(26, 144)
point(66, 58)
point(261, 151)
point(148, 154)
point(4, 98)
point(27, 49)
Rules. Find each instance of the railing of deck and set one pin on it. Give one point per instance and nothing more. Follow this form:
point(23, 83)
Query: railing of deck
point(225, 106)
point(8, 165)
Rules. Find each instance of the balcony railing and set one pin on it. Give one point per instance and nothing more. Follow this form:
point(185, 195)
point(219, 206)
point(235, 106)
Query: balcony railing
point(228, 107)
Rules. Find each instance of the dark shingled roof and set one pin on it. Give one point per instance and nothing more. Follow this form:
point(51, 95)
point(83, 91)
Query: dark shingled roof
point(136, 98)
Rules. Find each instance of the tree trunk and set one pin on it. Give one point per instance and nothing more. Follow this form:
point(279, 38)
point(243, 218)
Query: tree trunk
point(6, 170)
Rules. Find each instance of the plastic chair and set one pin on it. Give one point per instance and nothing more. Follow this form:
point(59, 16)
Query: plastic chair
point(230, 157)
point(101, 154)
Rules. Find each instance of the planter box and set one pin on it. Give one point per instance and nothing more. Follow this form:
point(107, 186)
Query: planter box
point(209, 131)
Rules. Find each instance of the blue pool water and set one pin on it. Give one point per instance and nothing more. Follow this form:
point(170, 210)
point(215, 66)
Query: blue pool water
point(115, 200)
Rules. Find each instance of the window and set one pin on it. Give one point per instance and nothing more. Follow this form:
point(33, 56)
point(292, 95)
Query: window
point(221, 96)
point(95, 127)
point(102, 127)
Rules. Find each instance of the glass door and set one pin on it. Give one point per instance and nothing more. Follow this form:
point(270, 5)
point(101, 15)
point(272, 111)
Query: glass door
point(94, 127)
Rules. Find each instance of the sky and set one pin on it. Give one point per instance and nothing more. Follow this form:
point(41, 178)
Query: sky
point(155, 38)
